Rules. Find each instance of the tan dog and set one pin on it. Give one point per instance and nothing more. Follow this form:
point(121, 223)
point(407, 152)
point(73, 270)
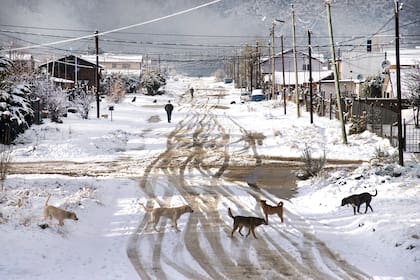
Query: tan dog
point(172, 213)
point(59, 214)
point(241, 221)
point(270, 210)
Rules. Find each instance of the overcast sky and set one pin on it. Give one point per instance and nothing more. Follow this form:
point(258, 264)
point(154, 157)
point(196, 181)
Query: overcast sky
point(229, 22)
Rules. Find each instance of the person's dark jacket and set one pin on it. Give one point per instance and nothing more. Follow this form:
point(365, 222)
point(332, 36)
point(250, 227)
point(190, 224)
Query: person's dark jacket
point(169, 107)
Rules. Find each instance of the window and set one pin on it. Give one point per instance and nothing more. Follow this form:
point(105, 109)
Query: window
point(114, 65)
point(305, 67)
point(126, 66)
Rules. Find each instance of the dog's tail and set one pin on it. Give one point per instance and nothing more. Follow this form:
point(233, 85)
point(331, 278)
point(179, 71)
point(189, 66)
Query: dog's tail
point(376, 193)
point(280, 204)
point(230, 213)
point(48, 198)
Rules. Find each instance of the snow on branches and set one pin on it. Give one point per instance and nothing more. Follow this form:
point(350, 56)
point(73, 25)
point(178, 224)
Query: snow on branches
point(152, 81)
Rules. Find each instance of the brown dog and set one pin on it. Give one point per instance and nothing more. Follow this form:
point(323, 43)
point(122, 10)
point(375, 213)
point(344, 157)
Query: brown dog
point(172, 213)
point(57, 213)
point(250, 222)
point(270, 210)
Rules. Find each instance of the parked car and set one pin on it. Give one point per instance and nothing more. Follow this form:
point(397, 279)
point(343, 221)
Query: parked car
point(228, 80)
point(257, 95)
point(245, 96)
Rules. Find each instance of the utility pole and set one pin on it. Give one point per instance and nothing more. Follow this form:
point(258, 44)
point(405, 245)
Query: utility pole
point(273, 65)
point(295, 63)
point(270, 77)
point(282, 69)
point(238, 71)
point(337, 84)
point(397, 55)
point(245, 60)
point(257, 76)
point(310, 77)
point(97, 73)
point(75, 72)
point(251, 67)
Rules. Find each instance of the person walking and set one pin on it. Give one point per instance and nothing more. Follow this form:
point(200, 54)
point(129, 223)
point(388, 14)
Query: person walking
point(169, 108)
point(192, 92)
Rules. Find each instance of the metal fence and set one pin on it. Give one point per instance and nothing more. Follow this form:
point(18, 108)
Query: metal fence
point(383, 122)
point(411, 135)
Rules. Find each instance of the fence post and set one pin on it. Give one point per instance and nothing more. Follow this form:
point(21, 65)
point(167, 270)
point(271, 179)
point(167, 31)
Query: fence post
point(330, 106)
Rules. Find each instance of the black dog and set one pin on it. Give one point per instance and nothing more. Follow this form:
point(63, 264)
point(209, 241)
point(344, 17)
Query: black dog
point(358, 199)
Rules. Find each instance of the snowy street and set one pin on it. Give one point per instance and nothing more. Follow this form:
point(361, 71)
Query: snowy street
point(103, 169)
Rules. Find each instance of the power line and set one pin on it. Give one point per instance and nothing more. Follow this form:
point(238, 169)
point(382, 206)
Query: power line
point(119, 29)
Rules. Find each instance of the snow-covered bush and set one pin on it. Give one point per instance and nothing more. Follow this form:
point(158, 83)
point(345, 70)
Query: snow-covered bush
point(358, 124)
point(113, 87)
point(152, 81)
point(130, 84)
point(52, 97)
point(82, 100)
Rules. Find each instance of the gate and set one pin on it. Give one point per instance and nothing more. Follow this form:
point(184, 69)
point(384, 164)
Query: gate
point(411, 138)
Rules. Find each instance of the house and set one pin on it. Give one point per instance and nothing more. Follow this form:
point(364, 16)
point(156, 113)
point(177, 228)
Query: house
point(409, 60)
point(71, 70)
point(118, 63)
point(23, 61)
point(319, 71)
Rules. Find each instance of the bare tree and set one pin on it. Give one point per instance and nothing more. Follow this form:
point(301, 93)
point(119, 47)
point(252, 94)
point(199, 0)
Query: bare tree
point(219, 75)
point(117, 91)
point(311, 166)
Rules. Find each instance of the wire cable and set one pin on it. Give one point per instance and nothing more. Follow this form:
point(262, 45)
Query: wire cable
point(117, 29)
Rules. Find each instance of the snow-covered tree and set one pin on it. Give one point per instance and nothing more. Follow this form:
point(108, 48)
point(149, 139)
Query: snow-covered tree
point(82, 100)
point(15, 105)
point(372, 86)
point(152, 81)
point(412, 83)
point(5, 66)
point(130, 84)
point(113, 86)
point(52, 97)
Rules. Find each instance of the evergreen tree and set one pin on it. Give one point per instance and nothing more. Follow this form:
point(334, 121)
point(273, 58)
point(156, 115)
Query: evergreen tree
point(15, 106)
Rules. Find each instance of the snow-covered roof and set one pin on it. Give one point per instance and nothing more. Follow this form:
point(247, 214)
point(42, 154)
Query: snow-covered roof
point(317, 56)
point(22, 56)
point(303, 77)
point(109, 57)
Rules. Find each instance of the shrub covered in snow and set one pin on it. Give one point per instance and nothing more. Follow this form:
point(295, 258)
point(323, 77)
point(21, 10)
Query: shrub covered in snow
point(81, 100)
point(152, 81)
point(52, 97)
